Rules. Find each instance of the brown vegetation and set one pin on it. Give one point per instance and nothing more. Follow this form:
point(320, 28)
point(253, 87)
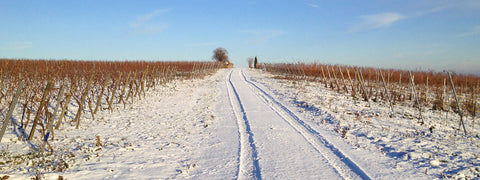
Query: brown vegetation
point(432, 89)
point(96, 85)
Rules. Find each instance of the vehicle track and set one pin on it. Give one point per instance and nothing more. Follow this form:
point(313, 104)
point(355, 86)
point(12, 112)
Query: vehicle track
point(340, 161)
point(248, 167)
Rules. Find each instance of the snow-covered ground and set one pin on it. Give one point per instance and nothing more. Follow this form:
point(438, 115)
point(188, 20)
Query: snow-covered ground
point(286, 145)
point(174, 133)
point(438, 148)
point(244, 124)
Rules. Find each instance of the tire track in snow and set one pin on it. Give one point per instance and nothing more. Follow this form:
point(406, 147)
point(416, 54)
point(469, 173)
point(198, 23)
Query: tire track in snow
point(344, 165)
point(248, 167)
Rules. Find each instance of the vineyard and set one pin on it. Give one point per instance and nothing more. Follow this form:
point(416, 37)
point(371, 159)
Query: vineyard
point(47, 95)
point(182, 120)
point(457, 95)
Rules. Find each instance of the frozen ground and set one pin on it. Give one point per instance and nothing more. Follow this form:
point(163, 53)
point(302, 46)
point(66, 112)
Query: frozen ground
point(243, 124)
point(438, 148)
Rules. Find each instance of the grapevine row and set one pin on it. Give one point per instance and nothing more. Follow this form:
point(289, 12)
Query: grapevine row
point(430, 89)
point(55, 93)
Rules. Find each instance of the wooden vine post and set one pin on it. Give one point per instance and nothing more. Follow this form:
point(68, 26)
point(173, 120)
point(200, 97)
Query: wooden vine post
point(90, 107)
point(143, 82)
point(117, 83)
point(375, 85)
point(336, 80)
point(194, 71)
point(82, 101)
point(137, 89)
point(40, 108)
point(99, 100)
point(474, 108)
point(10, 109)
point(343, 78)
point(362, 84)
point(351, 83)
point(66, 102)
point(446, 99)
point(444, 95)
point(415, 96)
point(426, 93)
point(150, 80)
point(386, 93)
point(123, 88)
point(456, 100)
point(29, 112)
point(475, 104)
point(324, 78)
point(329, 78)
point(166, 75)
point(155, 77)
point(130, 88)
point(52, 118)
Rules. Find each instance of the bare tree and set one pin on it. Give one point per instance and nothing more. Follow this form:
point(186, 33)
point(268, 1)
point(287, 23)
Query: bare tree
point(221, 55)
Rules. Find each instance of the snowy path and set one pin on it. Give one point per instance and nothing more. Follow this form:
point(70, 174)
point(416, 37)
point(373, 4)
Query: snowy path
point(275, 142)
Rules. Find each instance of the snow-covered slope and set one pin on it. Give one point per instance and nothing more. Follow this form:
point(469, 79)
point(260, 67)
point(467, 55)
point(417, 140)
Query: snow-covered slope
point(437, 148)
point(242, 124)
point(174, 133)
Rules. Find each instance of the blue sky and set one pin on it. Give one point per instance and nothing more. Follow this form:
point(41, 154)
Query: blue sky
point(406, 34)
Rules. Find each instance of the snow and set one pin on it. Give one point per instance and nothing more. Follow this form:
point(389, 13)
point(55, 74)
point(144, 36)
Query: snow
point(438, 148)
point(245, 124)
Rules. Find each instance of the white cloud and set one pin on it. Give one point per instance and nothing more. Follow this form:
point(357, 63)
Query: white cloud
point(312, 5)
point(435, 6)
point(375, 21)
point(262, 36)
point(474, 31)
point(429, 11)
point(144, 25)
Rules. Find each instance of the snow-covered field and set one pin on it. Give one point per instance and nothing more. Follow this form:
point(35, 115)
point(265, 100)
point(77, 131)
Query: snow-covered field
point(438, 148)
point(244, 124)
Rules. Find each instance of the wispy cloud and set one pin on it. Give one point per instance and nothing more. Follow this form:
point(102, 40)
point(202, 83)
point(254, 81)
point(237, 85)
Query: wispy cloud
point(430, 10)
point(434, 6)
point(382, 20)
point(262, 36)
point(312, 5)
point(145, 24)
point(474, 31)
point(18, 45)
point(375, 21)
